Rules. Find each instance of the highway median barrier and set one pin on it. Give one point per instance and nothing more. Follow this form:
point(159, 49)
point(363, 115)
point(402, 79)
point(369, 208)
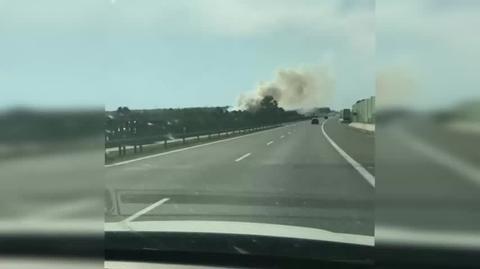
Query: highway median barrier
point(124, 148)
point(364, 127)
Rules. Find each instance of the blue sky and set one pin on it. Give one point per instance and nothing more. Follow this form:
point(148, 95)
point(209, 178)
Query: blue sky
point(147, 54)
point(427, 53)
point(170, 53)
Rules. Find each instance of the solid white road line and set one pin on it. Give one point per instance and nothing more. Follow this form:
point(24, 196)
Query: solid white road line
point(427, 238)
point(146, 210)
point(269, 143)
point(360, 169)
point(187, 148)
point(463, 168)
point(243, 157)
point(64, 209)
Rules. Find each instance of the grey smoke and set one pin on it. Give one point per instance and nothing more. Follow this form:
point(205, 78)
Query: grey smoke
point(298, 89)
point(396, 86)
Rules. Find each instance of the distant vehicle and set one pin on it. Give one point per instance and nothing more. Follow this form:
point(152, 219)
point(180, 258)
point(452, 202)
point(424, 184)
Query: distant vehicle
point(346, 115)
point(325, 117)
point(315, 121)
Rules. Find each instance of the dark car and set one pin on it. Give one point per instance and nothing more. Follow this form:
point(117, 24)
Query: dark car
point(315, 121)
point(325, 117)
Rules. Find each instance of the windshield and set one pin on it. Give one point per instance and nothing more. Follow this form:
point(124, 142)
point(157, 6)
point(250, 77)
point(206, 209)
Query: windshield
point(235, 125)
point(289, 130)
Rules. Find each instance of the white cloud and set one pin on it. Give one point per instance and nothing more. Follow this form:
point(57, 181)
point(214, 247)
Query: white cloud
point(347, 20)
point(439, 40)
point(321, 18)
point(446, 26)
point(396, 86)
point(52, 15)
point(249, 19)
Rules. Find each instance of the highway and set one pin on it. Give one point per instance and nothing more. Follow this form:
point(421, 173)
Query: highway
point(429, 181)
point(53, 193)
point(288, 175)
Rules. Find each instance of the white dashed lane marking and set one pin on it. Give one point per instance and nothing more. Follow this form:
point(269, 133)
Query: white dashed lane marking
point(243, 157)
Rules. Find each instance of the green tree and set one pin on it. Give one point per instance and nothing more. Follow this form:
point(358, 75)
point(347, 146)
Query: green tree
point(268, 111)
point(268, 104)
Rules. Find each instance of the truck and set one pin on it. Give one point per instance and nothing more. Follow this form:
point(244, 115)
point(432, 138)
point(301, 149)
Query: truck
point(346, 115)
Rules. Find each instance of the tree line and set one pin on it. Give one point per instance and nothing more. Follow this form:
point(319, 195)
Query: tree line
point(124, 123)
point(25, 125)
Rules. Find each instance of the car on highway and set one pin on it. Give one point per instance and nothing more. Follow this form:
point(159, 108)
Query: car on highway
point(315, 121)
point(325, 117)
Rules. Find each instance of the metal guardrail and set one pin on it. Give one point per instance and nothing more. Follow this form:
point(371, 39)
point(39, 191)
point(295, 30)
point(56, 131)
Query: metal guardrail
point(137, 143)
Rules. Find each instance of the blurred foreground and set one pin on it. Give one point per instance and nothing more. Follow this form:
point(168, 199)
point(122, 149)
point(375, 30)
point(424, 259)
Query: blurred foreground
point(51, 197)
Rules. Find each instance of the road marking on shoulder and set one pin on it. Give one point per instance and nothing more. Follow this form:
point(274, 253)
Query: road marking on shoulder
point(187, 148)
point(243, 157)
point(281, 137)
point(360, 169)
point(269, 143)
point(427, 238)
point(461, 167)
point(63, 209)
point(146, 210)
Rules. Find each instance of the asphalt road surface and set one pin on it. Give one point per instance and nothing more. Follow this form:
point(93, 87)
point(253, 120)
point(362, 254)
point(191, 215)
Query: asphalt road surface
point(58, 192)
point(429, 183)
point(287, 175)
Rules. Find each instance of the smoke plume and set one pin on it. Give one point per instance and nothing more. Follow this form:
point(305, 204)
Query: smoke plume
point(396, 86)
point(293, 89)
